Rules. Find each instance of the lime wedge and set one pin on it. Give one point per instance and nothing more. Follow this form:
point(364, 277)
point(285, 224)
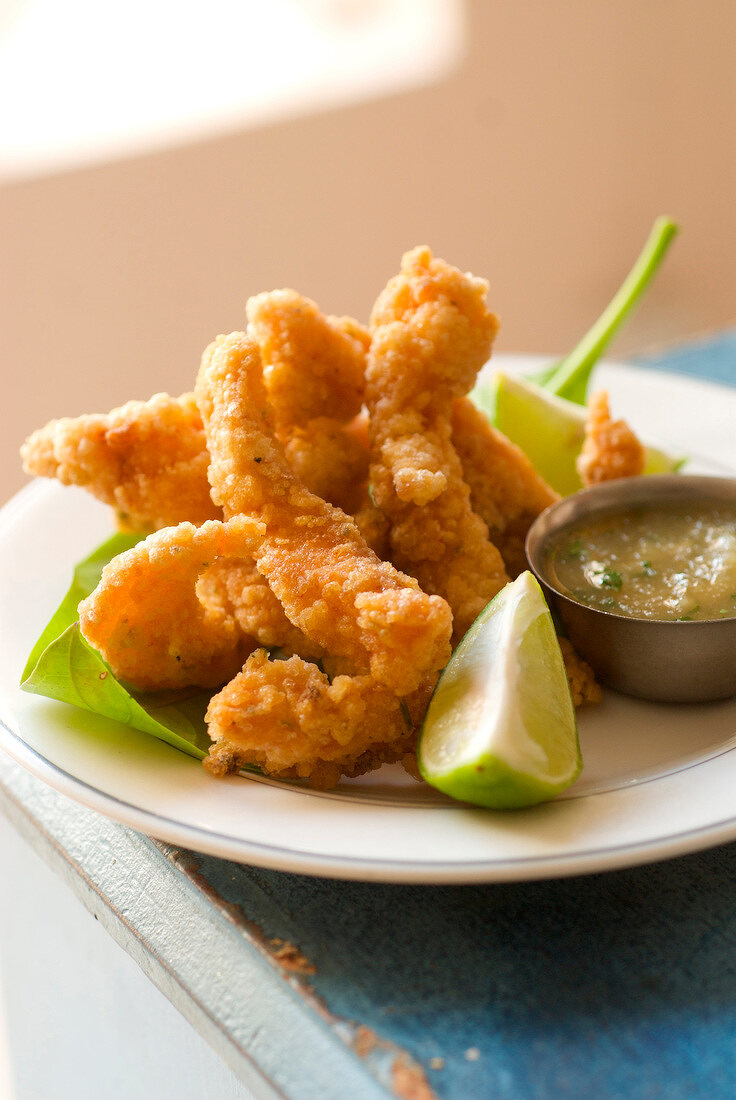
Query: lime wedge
point(500, 730)
point(549, 429)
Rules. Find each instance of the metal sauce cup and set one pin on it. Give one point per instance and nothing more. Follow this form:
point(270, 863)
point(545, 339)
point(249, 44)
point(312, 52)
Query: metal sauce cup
point(671, 662)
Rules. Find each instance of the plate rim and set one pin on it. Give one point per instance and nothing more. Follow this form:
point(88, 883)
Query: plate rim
point(361, 868)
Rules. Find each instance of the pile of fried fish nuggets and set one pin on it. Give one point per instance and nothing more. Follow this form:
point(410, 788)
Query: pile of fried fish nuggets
point(327, 491)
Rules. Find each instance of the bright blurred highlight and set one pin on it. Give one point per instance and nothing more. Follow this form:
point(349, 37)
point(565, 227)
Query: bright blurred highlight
point(83, 81)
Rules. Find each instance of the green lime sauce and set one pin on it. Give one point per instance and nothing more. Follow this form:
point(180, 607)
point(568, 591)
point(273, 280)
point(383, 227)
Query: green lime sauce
point(673, 561)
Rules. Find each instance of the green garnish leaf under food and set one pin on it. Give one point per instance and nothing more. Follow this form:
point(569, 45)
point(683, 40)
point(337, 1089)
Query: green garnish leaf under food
point(84, 580)
point(63, 666)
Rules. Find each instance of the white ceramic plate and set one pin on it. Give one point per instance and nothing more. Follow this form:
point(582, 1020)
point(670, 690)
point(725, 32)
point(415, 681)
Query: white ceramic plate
point(658, 781)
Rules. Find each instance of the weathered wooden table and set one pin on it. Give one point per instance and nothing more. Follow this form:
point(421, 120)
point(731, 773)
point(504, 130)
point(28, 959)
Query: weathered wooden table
point(611, 985)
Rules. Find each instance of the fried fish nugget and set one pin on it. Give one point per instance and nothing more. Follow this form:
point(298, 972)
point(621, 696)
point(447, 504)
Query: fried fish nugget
point(288, 718)
point(148, 459)
point(313, 365)
point(330, 584)
point(314, 370)
point(431, 333)
point(610, 448)
point(330, 460)
point(505, 489)
point(237, 588)
point(146, 620)
point(584, 688)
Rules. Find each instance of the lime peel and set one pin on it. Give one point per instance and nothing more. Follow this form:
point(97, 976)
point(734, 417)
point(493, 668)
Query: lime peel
point(549, 429)
point(500, 730)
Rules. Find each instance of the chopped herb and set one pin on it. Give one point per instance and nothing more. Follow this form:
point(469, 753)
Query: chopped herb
point(609, 578)
point(370, 494)
point(647, 570)
point(258, 460)
point(688, 616)
point(575, 550)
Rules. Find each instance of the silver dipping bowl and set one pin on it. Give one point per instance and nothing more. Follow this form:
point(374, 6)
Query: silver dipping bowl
point(671, 662)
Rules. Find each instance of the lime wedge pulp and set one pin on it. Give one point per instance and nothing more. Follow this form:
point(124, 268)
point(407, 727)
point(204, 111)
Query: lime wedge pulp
point(549, 429)
point(500, 730)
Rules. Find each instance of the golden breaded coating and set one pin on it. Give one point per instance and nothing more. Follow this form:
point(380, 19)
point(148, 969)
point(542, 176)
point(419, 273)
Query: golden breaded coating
point(314, 370)
point(584, 688)
point(401, 748)
point(330, 460)
point(148, 459)
point(286, 716)
point(373, 525)
point(237, 588)
point(610, 448)
point(145, 619)
point(331, 585)
point(431, 333)
point(313, 365)
point(505, 489)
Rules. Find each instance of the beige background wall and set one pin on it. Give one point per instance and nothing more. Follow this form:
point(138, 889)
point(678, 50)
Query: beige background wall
point(540, 163)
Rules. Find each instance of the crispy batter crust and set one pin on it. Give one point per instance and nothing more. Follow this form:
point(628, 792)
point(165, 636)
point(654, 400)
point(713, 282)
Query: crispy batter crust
point(431, 332)
point(331, 585)
point(314, 371)
point(286, 717)
point(313, 365)
point(610, 448)
point(145, 619)
point(583, 686)
point(382, 628)
point(505, 489)
point(148, 459)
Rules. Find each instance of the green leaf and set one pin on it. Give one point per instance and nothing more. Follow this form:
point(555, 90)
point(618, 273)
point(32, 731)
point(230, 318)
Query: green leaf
point(71, 671)
point(85, 579)
point(64, 666)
